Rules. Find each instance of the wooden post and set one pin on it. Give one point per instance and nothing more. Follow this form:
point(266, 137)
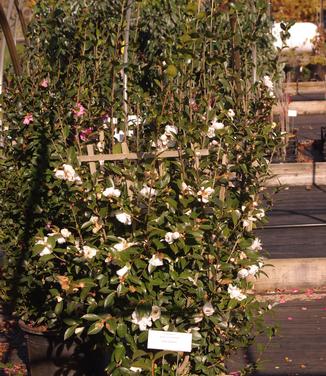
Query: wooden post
point(125, 62)
point(90, 152)
point(10, 41)
point(21, 19)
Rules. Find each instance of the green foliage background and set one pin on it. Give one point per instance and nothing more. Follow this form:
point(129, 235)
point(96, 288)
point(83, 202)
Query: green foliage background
point(189, 63)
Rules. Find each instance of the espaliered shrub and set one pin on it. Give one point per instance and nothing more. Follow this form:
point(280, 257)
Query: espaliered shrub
point(162, 243)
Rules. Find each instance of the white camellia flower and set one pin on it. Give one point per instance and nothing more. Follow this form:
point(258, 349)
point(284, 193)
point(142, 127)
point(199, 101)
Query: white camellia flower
point(65, 233)
point(60, 174)
point(148, 192)
point(89, 252)
point(111, 192)
point(122, 245)
point(156, 313)
point(198, 318)
point(269, 84)
point(71, 174)
point(94, 219)
point(246, 223)
point(231, 113)
point(68, 173)
point(243, 273)
point(208, 309)
point(123, 271)
point(143, 322)
point(204, 194)
point(186, 189)
point(256, 245)
point(249, 221)
point(170, 237)
point(167, 139)
point(46, 251)
point(235, 293)
point(260, 213)
point(253, 269)
point(211, 132)
point(123, 218)
point(215, 125)
point(155, 261)
point(171, 130)
point(69, 170)
point(61, 240)
point(135, 369)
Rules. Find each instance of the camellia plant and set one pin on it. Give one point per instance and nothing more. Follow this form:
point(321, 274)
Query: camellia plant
point(161, 241)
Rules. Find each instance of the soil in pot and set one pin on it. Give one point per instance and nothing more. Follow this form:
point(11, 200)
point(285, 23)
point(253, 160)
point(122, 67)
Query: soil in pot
point(49, 355)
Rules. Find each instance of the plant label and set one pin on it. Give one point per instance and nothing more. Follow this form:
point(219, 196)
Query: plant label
point(169, 341)
point(292, 113)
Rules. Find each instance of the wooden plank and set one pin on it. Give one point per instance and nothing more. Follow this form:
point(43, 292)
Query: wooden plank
point(304, 107)
point(305, 87)
point(135, 156)
point(125, 150)
point(297, 174)
point(92, 165)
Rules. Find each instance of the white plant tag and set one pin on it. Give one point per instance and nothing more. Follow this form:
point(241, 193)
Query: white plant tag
point(292, 113)
point(170, 341)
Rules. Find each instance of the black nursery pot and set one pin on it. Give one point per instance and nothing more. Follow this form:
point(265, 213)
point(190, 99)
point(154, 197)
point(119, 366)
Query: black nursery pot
point(50, 355)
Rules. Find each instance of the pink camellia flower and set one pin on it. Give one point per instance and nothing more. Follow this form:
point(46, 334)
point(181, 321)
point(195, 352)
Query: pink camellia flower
point(45, 83)
point(83, 135)
point(79, 110)
point(28, 119)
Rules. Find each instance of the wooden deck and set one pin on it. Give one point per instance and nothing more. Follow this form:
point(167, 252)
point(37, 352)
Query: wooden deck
point(299, 349)
point(296, 206)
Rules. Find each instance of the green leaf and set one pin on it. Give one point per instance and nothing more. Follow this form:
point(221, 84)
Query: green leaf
point(69, 332)
point(122, 330)
point(58, 308)
point(119, 352)
point(71, 322)
point(109, 299)
point(144, 364)
point(91, 317)
point(143, 337)
point(95, 328)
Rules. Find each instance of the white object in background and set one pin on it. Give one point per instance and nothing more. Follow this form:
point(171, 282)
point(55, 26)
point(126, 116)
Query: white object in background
point(292, 113)
point(302, 36)
point(169, 341)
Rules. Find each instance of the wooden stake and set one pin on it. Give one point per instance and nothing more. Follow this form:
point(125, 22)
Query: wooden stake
point(10, 41)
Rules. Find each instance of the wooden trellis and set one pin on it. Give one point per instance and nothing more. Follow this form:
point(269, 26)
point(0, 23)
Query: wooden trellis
point(100, 158)
point(92, 158)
